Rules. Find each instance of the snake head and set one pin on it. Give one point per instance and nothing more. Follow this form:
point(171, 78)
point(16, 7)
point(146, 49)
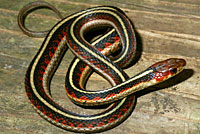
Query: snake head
point(168, 68)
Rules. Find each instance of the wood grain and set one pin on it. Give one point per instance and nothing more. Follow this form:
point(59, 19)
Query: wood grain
point(164, 29)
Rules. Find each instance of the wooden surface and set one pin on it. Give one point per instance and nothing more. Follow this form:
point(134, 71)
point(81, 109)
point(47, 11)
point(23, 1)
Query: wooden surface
point(164, 28)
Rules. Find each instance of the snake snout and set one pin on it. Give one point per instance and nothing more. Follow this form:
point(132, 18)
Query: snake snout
point(181, 62)
point(175, 65)
point(178, 66)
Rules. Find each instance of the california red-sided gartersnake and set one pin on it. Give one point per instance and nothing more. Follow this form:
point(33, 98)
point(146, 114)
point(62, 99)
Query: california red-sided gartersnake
point(70, 32)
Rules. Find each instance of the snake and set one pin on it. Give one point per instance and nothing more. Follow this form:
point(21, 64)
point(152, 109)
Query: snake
point(105, 54)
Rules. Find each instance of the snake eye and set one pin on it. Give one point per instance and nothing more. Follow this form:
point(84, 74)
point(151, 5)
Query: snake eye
point(174, 70)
